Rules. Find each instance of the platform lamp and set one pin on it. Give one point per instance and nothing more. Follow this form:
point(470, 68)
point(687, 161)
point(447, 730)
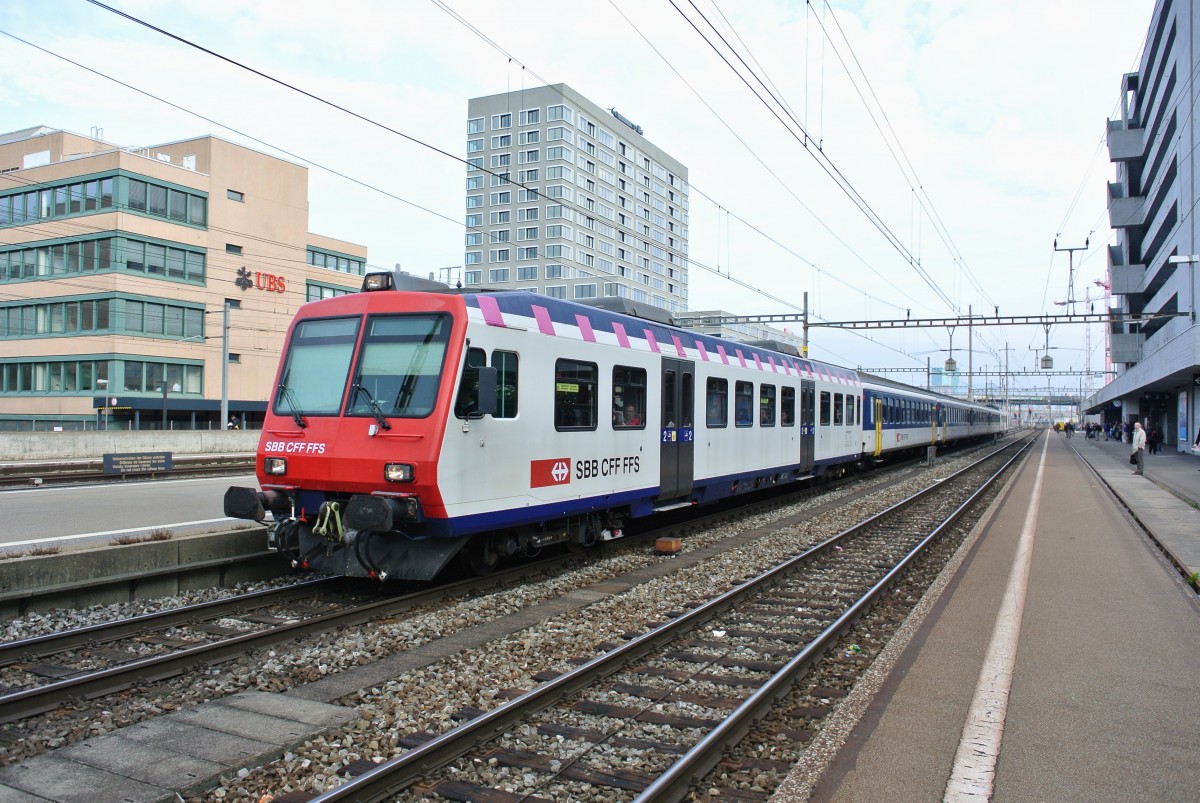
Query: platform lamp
point(103, 385)
point(165, 387)
point(230, 303)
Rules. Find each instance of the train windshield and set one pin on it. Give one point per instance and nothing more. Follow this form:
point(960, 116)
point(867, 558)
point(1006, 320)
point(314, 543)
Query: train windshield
point(400, 369)
point(318, 361)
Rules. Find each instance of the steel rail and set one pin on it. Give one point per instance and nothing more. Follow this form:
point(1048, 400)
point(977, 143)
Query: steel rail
point(25, 649)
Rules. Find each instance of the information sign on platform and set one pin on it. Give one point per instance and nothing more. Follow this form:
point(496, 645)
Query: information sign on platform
point(137, 462)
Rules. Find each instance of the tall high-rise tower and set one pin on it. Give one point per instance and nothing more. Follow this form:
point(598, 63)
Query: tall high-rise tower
point(570, 200)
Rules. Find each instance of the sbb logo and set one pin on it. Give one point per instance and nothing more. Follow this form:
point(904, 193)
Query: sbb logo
point(555, 471)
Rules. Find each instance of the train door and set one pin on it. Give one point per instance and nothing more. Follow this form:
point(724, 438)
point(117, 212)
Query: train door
point(677, 439)
point(808, 426)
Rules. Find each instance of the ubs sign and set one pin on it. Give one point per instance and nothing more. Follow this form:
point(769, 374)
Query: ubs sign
point(269, 282)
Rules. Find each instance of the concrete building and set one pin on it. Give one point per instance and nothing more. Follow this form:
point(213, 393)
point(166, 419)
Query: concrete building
point(718, 324)
point(116, 269)
point(572, 201)
point(1152, 205)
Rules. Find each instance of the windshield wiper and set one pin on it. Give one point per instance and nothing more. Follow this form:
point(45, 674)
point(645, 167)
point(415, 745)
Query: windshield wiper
point(290, 397)
point(375, 410)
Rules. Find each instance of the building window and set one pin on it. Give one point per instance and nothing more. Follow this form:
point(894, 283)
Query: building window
point(585, 291)
point(339, 262)
point(474, 201)
point(234, 195)
point(498, 255)
point(472, 277)
point(528, 273)
point(230, 248)
point(556, 291)
point(498, 275)
point(501, 198)
point(530, 117)
point(501, 121)
point(473, 258)
point(316, 292)
point(527, 252)
point(559, 113)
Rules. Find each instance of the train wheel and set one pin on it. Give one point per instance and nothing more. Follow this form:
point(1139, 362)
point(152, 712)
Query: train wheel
point(480, 555)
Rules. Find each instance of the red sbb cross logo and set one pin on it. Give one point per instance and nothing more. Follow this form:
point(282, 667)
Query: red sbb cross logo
point(556, 471)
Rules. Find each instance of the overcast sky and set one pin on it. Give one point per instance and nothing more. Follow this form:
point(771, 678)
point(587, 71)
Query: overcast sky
point(973, 133)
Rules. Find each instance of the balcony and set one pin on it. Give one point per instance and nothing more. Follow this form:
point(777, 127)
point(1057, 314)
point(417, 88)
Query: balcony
point(1125, 144)
point(1125, 213)
point(1127, 279)
point(1126, 348)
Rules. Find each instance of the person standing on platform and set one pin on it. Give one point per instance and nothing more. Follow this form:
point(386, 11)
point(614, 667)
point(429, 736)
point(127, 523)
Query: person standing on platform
point(1139, 448)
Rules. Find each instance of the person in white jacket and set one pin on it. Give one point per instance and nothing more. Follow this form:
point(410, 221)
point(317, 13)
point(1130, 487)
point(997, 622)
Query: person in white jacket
point(1139, 448)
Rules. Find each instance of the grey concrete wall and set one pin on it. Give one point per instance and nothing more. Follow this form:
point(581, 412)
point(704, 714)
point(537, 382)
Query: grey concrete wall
point(24, 446)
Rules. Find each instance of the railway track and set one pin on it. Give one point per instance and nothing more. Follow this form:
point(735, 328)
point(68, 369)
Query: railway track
point(41, 673)
point(653, 716)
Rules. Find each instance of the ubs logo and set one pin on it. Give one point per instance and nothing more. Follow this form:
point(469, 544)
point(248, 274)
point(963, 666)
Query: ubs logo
point(263, 281)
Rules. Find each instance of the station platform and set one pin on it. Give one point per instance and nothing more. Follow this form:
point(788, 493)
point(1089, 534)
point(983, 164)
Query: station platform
point(1066, 647)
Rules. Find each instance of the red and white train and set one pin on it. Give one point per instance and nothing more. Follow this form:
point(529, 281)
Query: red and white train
point(408, 428)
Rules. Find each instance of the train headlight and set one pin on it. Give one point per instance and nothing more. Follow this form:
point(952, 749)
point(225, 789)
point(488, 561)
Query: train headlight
point(275, 465)
point(398, 472)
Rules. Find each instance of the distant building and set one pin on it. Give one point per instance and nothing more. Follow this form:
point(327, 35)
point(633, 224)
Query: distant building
point(571, 201)
point(714, 322)
point(1152, 205)
point(116, 266)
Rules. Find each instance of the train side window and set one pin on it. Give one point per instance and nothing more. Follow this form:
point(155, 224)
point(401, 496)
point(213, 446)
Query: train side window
point(575, 395)
point(766, 405)
point(824, 408)
point(838, 407)
point(629, 398)
point(468, 387)
point(717, 405)
point(743, 402)
point(505, 363)
point(851, 411)
point(787, 406)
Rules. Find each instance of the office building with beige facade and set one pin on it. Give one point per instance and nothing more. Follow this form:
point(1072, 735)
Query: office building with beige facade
point(119, 267)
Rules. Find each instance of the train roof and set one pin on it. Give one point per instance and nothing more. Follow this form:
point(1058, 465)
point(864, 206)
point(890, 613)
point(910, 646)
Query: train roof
point(662, 338)
point(873, 379)
point(630, 320)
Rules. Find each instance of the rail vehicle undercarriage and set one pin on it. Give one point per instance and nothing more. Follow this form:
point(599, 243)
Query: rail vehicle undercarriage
point(359, 537)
